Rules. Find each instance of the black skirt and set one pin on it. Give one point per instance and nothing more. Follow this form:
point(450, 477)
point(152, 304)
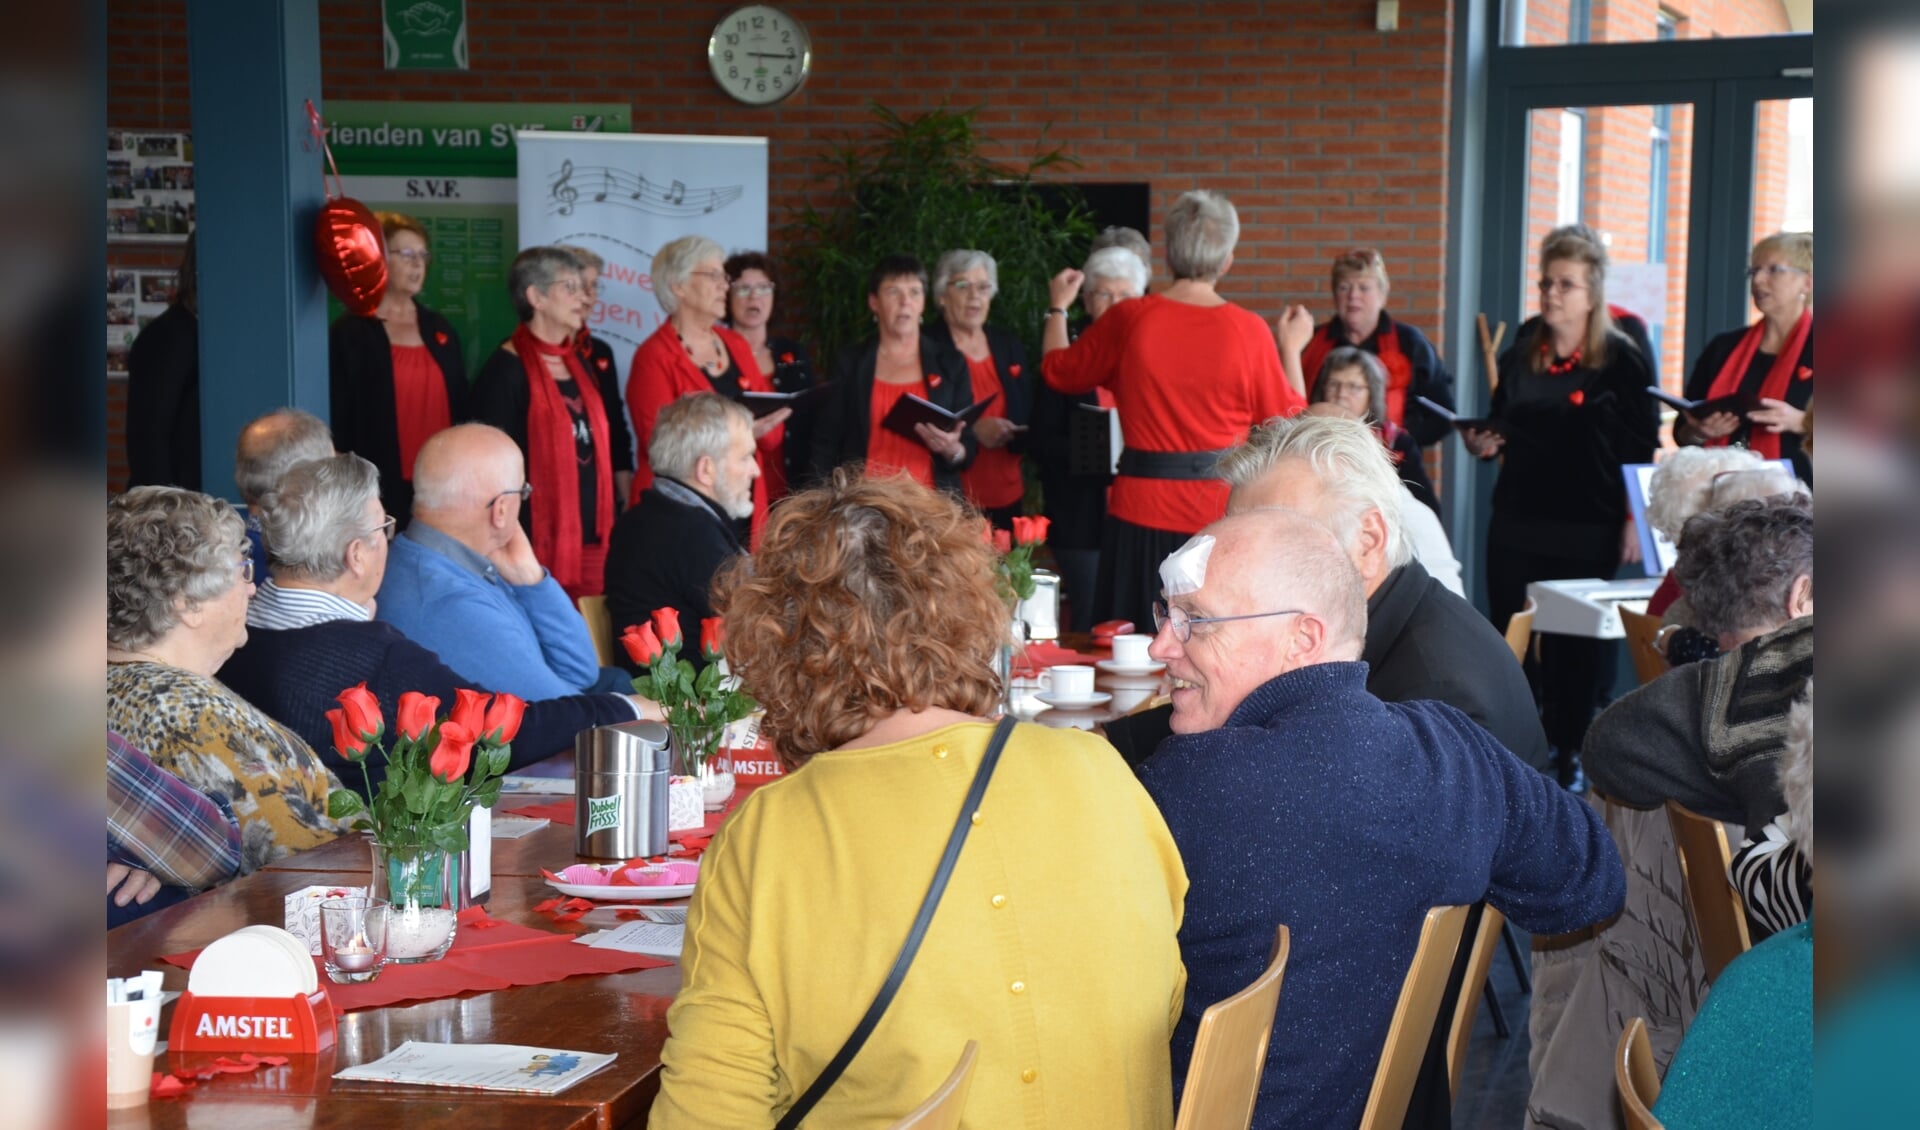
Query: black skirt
point(1130, 558)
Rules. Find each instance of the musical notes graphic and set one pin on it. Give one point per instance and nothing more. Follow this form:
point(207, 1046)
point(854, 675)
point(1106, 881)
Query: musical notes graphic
point(632, 190)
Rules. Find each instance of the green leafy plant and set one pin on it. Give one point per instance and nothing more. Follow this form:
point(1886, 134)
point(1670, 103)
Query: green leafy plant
point(437, 771)
point(923, 188)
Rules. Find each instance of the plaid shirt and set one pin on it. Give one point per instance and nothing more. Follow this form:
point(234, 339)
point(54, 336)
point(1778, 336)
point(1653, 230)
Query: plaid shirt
point(157, 822)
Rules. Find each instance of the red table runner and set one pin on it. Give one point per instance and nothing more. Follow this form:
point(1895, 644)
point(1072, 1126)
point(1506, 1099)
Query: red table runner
point(1040, 654)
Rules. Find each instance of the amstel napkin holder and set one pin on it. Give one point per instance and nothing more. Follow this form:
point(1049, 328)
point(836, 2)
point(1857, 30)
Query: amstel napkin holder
point(255, 990)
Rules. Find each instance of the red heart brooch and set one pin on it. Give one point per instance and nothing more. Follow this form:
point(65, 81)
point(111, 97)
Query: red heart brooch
point(440, 336)
point(933, 380)
point(1576, 398)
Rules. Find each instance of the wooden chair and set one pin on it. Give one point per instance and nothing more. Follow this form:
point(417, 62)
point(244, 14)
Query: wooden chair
point(1520, 631)
point(1230, 1052)
point(1460, 1030)
point(1641, 629)
point(943, 1108)
point(1414, 1018)
point(1719, 915)
point(1639, 1083)
point(593, 609)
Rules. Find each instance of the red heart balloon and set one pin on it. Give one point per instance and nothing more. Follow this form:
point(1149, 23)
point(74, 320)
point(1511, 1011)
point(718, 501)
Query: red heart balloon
point(353, 256)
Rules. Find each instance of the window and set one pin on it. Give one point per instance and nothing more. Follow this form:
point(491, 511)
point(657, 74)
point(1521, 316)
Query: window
point(1573, 149)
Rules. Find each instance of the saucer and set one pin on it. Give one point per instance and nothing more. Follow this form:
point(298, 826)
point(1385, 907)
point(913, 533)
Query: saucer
point(1115, 667)
point(1098, 698)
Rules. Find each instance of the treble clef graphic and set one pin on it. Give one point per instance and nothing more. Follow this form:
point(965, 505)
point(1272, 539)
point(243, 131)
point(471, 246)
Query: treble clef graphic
point(565, 194)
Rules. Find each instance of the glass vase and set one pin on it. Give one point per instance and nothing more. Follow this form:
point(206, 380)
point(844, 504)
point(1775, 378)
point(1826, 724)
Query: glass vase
point(697, 754)
point(423, 885)
point(1007, 660)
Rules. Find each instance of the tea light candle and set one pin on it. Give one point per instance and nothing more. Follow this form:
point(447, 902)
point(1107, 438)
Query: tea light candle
point(417, 932)
point(354, 959)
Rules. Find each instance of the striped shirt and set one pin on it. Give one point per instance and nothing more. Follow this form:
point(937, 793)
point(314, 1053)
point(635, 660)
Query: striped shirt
point(1775, 880)
point(159, 823)
point(280, 609)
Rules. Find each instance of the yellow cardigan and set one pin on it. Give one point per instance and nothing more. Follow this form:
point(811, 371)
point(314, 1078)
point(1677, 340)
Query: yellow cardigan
point(1054, 946)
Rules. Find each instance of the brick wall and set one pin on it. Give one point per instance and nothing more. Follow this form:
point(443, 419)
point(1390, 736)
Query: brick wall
point(1325, 133)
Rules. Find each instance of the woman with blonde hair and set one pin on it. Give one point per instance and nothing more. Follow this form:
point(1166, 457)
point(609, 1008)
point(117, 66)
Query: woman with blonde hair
point(1360, 321)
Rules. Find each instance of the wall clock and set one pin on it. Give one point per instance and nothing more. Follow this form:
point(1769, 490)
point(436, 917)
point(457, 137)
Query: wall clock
point(759, 54)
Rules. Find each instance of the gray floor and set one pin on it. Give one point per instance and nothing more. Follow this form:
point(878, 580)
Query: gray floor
point(1493, 1087)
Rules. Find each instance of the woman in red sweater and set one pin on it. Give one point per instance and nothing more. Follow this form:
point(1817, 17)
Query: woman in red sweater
point(1191, 374)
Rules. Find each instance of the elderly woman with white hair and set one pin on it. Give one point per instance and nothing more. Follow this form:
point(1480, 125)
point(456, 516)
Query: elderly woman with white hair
point(311, 632)
point(1190, 373)
point(535, 389)
point(693, 352)
point(178, 581)
point(1694, 480)
point(964, 283)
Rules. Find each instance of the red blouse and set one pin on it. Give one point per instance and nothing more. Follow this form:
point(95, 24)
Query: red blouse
point(993, 479)
point(419, 401)
point(889, 451)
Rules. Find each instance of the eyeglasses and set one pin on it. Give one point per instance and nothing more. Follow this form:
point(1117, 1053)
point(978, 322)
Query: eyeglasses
point(418, 255)
point(1103, 296)
point(570, 285)
point(720, 277)
point(1560, 286)
point(1183, 623)
point(1773, 271)
point(385, 529)
point(968, 286)
point(524, 490)
point(246, 570)
point(752, 290)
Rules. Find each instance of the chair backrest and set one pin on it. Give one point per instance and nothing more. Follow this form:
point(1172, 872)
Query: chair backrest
point(1413, 1019)
point(1641, 629)
point(1719, 917)
point(943, 1108)
point(1460, 1032)
point(1520, 630)
point(1230, 1052)
point(593, 609)
point(1639, 1083)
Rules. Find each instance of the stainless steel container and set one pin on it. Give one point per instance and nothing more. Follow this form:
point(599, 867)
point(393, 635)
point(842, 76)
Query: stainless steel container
point(1041, 611)
point(620, 790)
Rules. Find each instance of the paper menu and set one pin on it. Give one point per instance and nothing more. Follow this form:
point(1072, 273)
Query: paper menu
point(486, 1067)
point(661, 939)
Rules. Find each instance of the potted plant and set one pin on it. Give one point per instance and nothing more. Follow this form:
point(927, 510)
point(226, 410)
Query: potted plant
point(699, 707)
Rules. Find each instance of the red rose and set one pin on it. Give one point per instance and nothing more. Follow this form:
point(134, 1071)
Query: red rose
point(933, 380)
point(1022, 529)
point(1002, 541)
point(363, 711)
point(643, 647)
point(1577, 398)
point(416, 715)
point(1040, 526)
point(666, 625)
point(503, 718)
point(1013, 370)
point(351, 745)
point(713, 636)
point(469, 710)
point(454, 753)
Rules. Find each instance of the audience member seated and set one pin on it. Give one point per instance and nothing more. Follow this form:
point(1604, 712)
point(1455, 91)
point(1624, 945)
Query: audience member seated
point(866, 625)
point(1773, 870)
point(667, 549)
point(1422, 642)
point(178, 581)
point(269, 447)
point(463, 582)
point(1354, 382)
point(312, 632)
point(1694, 480)
point(182, 839)
point(1298, 797)
point(1410, 365)
point(1710, 735)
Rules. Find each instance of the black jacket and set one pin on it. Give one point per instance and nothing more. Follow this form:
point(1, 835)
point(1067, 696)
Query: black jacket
point(360, 364)
point(664, 555)
point(163, 402)
point(845, 421)
point(1017, 378)
point(1700, 381)
point(600, 365)
point(1423, 642)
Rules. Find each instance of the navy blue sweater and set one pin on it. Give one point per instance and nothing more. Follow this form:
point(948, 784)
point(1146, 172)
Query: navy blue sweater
point(1347, 818)
point(294, 676)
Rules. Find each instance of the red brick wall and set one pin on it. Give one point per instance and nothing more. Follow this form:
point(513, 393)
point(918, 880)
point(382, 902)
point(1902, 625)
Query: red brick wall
point(1325, 133)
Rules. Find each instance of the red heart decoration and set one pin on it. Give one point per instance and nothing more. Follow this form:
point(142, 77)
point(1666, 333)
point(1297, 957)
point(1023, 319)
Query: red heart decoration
point(1013, 370)
point(933, 380)
point(602, 362)
point(1577, 398)
point(353, 256)
point(440, 336)
point(1804, 374)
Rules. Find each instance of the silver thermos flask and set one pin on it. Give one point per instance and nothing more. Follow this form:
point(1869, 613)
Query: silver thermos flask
point(1041, 611)
point(620, 790)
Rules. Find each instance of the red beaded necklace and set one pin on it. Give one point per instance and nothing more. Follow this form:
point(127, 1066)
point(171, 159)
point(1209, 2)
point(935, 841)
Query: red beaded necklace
point(1560, 368)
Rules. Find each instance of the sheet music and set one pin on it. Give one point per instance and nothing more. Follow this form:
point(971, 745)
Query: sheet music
point(605, 184)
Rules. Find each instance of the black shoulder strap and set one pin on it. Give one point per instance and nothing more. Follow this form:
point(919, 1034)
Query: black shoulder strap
point(955, 841)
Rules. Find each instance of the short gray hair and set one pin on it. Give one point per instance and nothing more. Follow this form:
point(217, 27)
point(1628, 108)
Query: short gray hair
point(537, 268)
point(1202, 228)
point(319, 510)
point(1349, 462)
point(697, 424)
point(273, 444)
point(1114, 262)
point(1688, 481)
point(674, 264)
point(589, 260)
point(1354, 357)
point(959, 262)
point(1738, 565)
point(1127, 239)
point(168, 550)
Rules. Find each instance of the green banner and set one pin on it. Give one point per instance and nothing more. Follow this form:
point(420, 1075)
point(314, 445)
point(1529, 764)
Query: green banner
point(424, 35)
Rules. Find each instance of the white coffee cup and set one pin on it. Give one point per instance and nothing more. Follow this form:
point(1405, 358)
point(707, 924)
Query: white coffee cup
point(133, 1030)
point(1069, 682)
point(1131, 650)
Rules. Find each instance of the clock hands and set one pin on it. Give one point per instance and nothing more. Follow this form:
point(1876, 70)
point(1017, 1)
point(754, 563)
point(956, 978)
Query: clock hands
point(770, 55)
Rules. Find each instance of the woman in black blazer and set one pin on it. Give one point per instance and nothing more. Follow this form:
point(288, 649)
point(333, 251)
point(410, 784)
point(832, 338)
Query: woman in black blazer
point(964, 284)
point(397, 374)
point(870, 379)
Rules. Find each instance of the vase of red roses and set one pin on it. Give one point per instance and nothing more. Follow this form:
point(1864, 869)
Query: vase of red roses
point(438, 770)
point(1013, 577)
point(699, 706)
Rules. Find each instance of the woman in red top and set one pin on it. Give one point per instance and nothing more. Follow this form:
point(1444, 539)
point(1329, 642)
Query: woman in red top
point(691, 352)
point(1191, 374)
point(964, 283)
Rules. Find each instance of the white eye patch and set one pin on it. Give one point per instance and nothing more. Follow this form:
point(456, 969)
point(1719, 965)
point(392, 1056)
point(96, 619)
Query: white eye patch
point(1185, 570)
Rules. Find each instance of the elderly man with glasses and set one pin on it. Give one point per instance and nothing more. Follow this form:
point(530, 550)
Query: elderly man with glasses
point(1298, 797)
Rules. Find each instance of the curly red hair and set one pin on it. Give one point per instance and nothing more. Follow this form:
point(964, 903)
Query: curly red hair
point(866, 596)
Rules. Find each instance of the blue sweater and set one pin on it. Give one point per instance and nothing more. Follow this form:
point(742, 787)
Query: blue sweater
point(1347, 818)
point(527, 640)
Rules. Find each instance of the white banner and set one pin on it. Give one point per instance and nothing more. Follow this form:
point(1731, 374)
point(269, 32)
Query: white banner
point(625, 196)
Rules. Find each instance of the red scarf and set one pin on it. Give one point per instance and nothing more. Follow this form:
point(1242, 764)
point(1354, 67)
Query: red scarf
point(552, 463)
point(1760, 440)
point(1387, 347)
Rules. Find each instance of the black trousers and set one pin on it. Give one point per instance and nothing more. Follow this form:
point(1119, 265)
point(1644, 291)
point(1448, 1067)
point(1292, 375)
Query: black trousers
point(1079, 574)
point(1573, 677)
point(1129, 583)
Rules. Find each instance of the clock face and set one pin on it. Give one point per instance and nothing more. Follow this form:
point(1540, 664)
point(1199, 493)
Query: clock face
point(759, 54)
